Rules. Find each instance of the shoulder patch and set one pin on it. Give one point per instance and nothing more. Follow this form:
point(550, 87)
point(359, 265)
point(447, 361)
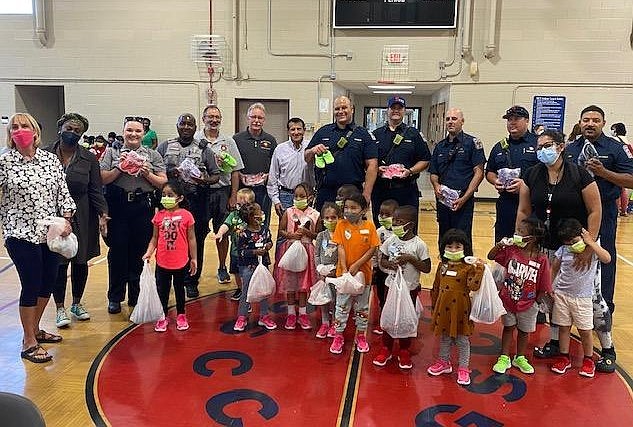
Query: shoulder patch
point(478, 144)
point(627, 151)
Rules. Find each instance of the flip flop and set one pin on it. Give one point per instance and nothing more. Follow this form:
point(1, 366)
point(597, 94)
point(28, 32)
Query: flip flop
point(31, 354)
point(44, 337)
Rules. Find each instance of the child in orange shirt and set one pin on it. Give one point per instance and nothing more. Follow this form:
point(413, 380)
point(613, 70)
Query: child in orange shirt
point(356, 240)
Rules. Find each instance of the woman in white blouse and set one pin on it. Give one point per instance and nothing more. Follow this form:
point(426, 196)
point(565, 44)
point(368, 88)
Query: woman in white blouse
point(32, 186)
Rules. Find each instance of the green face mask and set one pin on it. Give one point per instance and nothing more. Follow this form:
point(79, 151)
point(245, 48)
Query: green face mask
point(578, 247)
point(399, 230)
point(300, 203)
point(453, 256)
point(519, 241)
point(168, 202)
point(386, 221)
point(330, 225)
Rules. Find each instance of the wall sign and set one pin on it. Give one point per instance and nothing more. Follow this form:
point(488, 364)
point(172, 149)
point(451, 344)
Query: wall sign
point(549, 111)
point(395, 14)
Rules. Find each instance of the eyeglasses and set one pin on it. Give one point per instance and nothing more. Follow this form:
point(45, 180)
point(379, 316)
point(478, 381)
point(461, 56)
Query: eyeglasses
point(133, 119)
point(212, 117)
point(260, 118)
point(546, 145)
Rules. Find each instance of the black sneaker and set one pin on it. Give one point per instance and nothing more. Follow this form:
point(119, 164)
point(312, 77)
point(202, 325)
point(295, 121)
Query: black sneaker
point(223, 276)
point(547, 351)
point(606, 363)
point(192, 291)
point(114, 307)
point(236, 295)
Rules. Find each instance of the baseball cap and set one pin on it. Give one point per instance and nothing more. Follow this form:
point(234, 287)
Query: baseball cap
point(396, 100)
point(516, 111)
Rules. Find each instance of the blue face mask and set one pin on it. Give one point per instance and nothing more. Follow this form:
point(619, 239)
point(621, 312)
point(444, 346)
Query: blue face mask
point(548, 156)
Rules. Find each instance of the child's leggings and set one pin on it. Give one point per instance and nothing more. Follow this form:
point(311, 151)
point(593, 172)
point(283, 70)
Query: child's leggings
point(463, 346)
point(164, 282)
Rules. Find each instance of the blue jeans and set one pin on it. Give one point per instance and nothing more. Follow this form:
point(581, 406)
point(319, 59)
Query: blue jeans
point(246, 272)
point(262, 198)
point(286, 199)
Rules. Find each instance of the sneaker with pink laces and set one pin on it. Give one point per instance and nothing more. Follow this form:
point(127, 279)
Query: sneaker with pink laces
point(331, 333)
point(337, 344)
point(383, 357)
point(291, 322)
point(304, 322)
point(181, 322)
point(463, 376)
point(267, 322)
point(362, 346)
point(440, 367)
point(240, 323)
point(322, 332)
point(161, 324)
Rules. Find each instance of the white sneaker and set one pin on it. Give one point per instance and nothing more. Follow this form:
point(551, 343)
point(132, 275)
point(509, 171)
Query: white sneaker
point(62, 319)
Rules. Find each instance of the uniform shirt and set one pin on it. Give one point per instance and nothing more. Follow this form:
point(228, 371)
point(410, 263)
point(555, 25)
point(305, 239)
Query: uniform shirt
point(520, 153)
point(410, 150)
point(288, 168)
point(129, 182)
point(574, 283)
point(223, 144)
point(613, 155)
point(256, 151)
point(524, 279)
point(174, 153)
point(453, 162)
point(394, 247)
point(356, 240)
point(248, 241)
point(349, 161)
point(172, 250)
point(31, 190)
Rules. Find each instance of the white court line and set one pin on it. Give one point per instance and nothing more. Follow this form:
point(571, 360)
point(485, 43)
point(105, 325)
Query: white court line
point(625, 260)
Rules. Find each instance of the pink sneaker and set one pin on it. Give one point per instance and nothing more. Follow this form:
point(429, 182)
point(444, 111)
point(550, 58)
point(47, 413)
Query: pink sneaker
point(463, 376)
point(440, 367)
point(161, 324)
point(337, 344)
point(240, 323)
point(291, 322)
point(304, 321)
point(331, 333)
point(362, 346)
point(323, 330)
point(267, 322)
point(377, 330)
point(181, 322)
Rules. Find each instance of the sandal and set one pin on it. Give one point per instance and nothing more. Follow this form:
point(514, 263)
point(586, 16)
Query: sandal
point(46, 337)
point(36, 354)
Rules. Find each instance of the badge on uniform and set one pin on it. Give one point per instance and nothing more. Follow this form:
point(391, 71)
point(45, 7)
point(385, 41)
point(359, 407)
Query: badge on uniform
point(478, 144)
point(265, 145)
point(398, 139)
point(342, 142)
point(348, 234)
point(627, 151)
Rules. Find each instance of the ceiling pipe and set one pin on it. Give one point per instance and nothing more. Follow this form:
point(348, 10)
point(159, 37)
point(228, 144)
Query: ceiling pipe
point(39, 21)
point(467, 38)
point(490, 51)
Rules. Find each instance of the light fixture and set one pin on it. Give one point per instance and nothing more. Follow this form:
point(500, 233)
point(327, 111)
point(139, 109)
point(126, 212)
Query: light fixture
point(390, 87)
point(397, 92)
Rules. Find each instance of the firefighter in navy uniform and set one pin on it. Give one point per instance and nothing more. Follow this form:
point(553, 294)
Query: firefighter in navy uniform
point(174, 152)
point(514, 153)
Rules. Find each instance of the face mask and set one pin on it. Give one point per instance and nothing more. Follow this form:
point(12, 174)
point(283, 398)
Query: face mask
point(168, 202)
point(22, 137)
point(399, 230)
point(386, 221)
point(578, 247)
point(300, 203)
point(69, 138)
point(519, 241)
point(548, 156)
point(330, 225)
point(339, 203)
point(353, 217)
point(453, 256)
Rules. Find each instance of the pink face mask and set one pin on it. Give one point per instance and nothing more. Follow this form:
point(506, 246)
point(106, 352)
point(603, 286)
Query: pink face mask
point(22, 137)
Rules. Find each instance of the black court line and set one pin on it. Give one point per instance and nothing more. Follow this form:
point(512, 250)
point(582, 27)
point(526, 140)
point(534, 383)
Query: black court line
point(348, 407)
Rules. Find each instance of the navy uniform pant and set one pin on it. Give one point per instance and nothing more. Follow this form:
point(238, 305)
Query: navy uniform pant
point(404, 195)
point(199, 208)
point(461, 219)
point(608, 229)
point(506, 217)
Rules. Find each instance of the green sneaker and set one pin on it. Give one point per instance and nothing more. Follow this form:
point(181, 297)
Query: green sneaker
point(522, 363)
point(319, 161)
point(502, 365)
point(328, 157)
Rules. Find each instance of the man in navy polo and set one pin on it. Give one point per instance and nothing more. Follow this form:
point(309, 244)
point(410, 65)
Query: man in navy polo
point(398, 144)
point(342, 153)
point(511, 156)
point(457, 165)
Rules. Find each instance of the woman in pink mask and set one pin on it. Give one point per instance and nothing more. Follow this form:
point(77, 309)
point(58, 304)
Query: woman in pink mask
point(32, 187)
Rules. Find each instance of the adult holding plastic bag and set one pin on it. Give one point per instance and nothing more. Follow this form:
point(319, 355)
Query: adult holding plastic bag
point(131, 175)
point(32, 187)
point(84, 183)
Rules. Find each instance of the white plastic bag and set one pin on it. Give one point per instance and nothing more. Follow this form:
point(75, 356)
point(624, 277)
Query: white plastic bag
point(399, 318)
point(348, 284)
point(487, 307)
point(65, 246)
point(498, 273)
point(188, 170)
point(320, 293)
point(148, 308)
point(295, 259)
point(262, 284)
point(325, 269)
